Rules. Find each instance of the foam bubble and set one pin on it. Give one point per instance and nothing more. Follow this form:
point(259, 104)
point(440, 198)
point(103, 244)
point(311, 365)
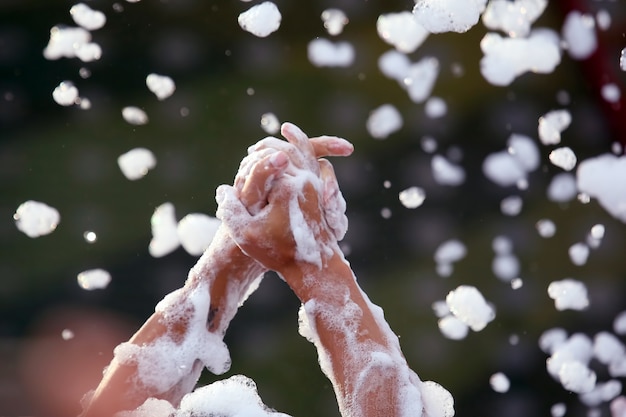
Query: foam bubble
point(394, 64)
point(383, 121)
point(619, 323)
point(136, 163)
point(602, 392)
point(611, 92)
point(420, 79)
point(546, 228)
point(35, 218)
point(439, 16)
point(577, 377)
point(513, 17)
point(401, 30)
point(622, 59)
point(438, 402)
point(505, 267)
point(196, 231)
point(452, 327)
point(579, 35)
point(469, 306)
point(602, 177)
point(607, 347)
point(67, 334)
point(261, 20)
point(94, 279)
point(558, 410)
point(445, 172)
point(324, 53)
point(552, 124)
point(412, 197)
point(450, 251)
point(551, 339)
point(164, 231)
point(568, 294)
point(161, 85)
point(65, 42)
point(499, 382)
point(134, 115)
point(578, 253)
point(563, 158)
point(562, 188)
point(435, 107)
point(86, 17)
point(603, 19)
point(512, 205)
point(65, 94)
point(334, 21)
point(270, 123)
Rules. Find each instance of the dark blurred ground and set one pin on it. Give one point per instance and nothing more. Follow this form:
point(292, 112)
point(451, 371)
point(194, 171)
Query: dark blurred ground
point(227, 79)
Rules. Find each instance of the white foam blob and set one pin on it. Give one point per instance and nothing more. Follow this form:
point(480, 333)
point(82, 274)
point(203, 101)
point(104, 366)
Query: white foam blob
point(579, 35)
point(435, 107)
point(603, 19)
point(94, 279)
point(34, 218)
point(394, 64)
point(161, 85)
point(420, 78)
point(551, 339)
point(507, 58)
point(164, 231)
point(512, 205)
point(578, 253)
point(469, 306)
point(568, 294)
point(611, 92)
point(502, 245)
point(428, 144)
point(513, 17)
point(552, 124)
point(440, 308)
point(562, 188)
point(136, 163)
point(445, 172)
point(86, 17)
point(499, 382)
point(622, 60)
point(196, 231)
point(134, 115)
point(67, 334)
point(577, 377)
point(401, 30)
point(450, 251)
point(511, 166)
point(619, 323)
point(452, 327)
point(439, 16)
point(152, 407)
point(607, 347)
point(505, 266)
point(325, 53)
point(65, 94)
point(601, 393)
point(261, 20)
point(558, 410)
point(71, 42)
point(383, 121)
point(517, 283)
point(90, 236)
point(270, 123)
point(438, 402)
point(412, 197)
point(334, 21)
point(563, 157)
point(546, 228)
point(524, 150)
point(602, 177)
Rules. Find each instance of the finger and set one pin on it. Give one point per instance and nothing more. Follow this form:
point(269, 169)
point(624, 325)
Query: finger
point(246, 165)
point(331, 146)
point(295, 155)
point(297, 137)
point(253, 194)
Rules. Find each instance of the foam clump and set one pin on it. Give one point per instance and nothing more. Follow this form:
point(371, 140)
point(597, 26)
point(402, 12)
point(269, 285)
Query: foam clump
point(71, 42)
point(196, 231)
point(546, 228)
point(136, 163)
point(511, 166)
point(618, 407)
point(235, 396)
point(261, 20)
point(562, 188)
point(445, 172)
point(447, 253)
point(607, 348)
point(577, 377)
point(270, 123)
point(134, 115)
point(334, 21)
point(551, 339)
point(438, 402)
point(579, 35)
point(512, 205)
point(394, 65)
point(469, 306)
point(552, 124)
point(563, 157)
point(401, 30)
point(383, 121)
point(152, 407)
point(622, 60)
point(569, 361)
point(452, 327)
point(94, 279)
point(595, 236)
point(619, 323)
point(86, 17)
point(164, 231)
point(602, 392)
point(499, 382)
point(438, 16)
point(65, 94)
point(435, 107)
point(578, 253)
point(324, 53)
point(418, 78)
point(558, 410)
point(602, 177)
point(35, 219)
point(412, 197)
point(611, 92)
point(513, 17)
point(507, 58)
point(568, 294)
point(161, 85)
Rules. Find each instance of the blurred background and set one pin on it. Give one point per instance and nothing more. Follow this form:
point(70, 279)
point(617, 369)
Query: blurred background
point(226, 79)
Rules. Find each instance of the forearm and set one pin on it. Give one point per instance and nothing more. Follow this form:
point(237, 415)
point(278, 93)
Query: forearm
point(221, 279)
point(358, 351)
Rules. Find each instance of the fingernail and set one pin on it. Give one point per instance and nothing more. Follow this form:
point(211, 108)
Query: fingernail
point(278, 160)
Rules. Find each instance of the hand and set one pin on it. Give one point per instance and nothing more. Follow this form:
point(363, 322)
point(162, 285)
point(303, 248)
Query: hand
point(302, 216)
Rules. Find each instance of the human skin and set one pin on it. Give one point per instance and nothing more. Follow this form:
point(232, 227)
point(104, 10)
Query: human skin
point(358, 351)
point(230, 273)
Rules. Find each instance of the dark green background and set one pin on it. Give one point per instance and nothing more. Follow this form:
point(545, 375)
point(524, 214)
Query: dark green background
point(66, 157)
